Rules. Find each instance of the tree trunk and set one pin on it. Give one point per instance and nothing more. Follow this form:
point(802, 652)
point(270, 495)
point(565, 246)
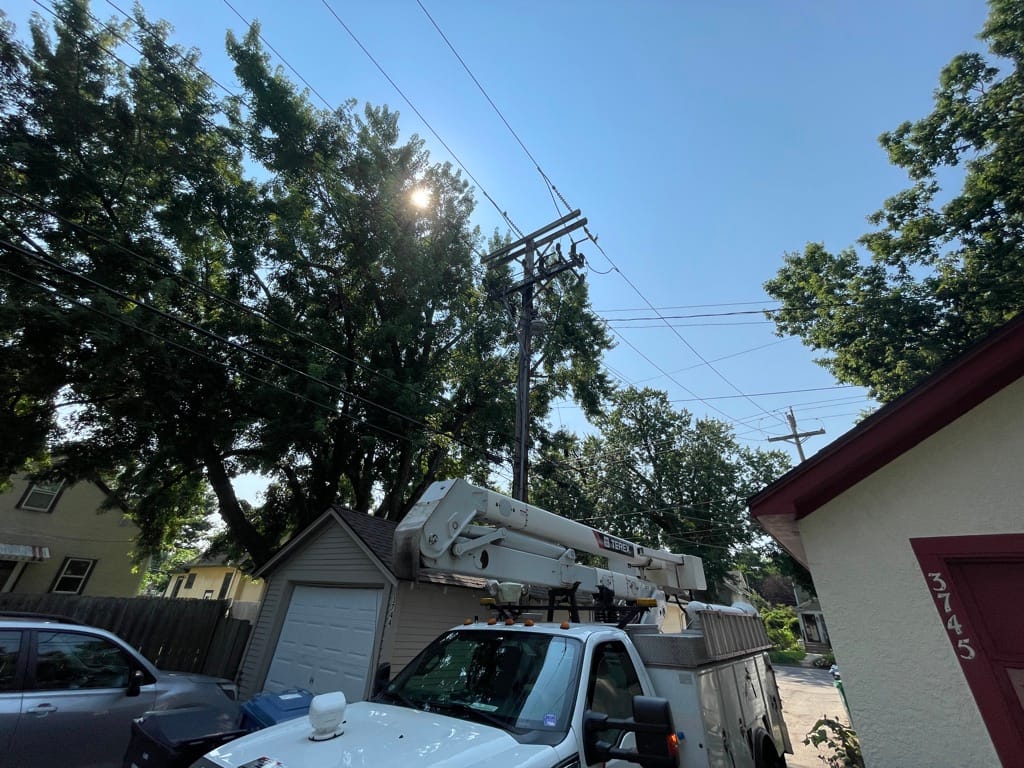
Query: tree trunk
point(242, 530)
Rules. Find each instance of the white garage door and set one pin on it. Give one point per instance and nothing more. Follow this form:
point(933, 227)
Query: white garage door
point(327, 641)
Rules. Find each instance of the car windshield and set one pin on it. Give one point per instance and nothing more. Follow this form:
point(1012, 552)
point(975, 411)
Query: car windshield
point(522, 682)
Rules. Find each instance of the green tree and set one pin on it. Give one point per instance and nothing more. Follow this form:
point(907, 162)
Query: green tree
point(658, 476)
point(196, 287)
point(945, 268)
point(116, 179)
point(424, 357)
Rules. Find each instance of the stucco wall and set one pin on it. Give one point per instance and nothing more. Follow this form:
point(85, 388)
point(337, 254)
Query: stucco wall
point(907, 693)
point(73, 528)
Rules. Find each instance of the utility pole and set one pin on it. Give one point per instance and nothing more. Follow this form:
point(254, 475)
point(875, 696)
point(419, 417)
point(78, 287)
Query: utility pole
point(794, 435)
point(533, 251)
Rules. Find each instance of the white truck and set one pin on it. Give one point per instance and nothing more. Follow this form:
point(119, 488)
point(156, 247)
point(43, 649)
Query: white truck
point(523, 689)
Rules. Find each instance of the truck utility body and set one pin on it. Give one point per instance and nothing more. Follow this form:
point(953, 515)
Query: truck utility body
point(516, 692)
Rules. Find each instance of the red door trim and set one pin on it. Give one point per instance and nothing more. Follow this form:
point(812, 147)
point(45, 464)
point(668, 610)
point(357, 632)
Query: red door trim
point(934, 555)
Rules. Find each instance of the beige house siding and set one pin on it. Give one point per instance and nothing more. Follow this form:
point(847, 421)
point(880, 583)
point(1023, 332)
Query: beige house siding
point(888, 639)
point(75, 527)
point(210, 578)
point(329, 558)
point(422, 612)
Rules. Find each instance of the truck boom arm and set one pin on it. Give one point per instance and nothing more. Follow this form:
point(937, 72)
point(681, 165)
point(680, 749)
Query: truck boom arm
point(523, 543)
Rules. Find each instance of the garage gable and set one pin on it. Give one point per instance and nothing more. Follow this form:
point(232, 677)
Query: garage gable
point(327, 554)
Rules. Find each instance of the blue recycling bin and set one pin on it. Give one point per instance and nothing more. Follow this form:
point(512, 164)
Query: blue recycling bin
point(268, 709)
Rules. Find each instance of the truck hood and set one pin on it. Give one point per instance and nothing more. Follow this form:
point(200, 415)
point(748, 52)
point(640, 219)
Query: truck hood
point(384, 736)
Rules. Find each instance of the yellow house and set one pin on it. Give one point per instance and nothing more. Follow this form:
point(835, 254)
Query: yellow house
point(215, 577)
point(56, 538)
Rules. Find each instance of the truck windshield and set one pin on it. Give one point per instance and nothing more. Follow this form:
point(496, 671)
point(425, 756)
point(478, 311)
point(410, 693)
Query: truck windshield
point(522, 682)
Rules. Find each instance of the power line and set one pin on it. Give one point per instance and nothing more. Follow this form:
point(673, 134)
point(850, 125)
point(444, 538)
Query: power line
point(723, 357)
point(547, 181)
point(776, 392)
point(569, 207)
point(701, 314)
point(562, 198)
point(267, 43)
point(168, 48)
point(669, 376)
point(680, 336)
point(692, 306)
point(667, 324)
point(250, 311)
point(419, 114)
point(233, 344)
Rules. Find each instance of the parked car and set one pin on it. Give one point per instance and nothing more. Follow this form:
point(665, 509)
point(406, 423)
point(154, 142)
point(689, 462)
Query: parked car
point(69, 693)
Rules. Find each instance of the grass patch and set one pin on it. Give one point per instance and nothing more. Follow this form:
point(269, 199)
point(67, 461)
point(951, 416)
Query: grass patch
point(788, 656)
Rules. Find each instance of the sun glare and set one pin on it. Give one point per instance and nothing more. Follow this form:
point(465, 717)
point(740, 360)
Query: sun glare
point(420, 197)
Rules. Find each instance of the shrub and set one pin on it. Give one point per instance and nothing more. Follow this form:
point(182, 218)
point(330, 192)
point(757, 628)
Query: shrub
point(826, 661)
point(840, 740)
point(783, 627)
point(787, 656)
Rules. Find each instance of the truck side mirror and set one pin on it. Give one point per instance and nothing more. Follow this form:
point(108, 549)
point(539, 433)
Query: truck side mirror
point(657, 745)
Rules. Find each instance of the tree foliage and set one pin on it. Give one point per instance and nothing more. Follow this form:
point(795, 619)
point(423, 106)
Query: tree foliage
point(946, 267)
point(656, 475)
point(196, 287)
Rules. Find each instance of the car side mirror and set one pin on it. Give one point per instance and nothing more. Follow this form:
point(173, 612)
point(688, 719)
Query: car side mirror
point(135, 681)
point(657, 745)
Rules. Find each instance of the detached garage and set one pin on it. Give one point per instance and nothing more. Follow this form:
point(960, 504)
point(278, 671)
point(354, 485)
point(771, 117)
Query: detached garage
point(333, 610)
point(912, 526)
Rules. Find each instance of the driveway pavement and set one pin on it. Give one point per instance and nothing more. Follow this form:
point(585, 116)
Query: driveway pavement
point(807, 694)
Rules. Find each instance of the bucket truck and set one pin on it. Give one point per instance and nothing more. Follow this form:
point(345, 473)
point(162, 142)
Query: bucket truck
point(533, 686)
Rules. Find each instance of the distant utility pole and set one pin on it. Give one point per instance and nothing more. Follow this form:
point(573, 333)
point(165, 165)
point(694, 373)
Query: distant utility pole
point(539, 265)
point(794, 435)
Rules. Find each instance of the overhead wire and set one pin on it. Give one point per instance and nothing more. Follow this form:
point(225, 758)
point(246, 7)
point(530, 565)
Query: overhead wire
point(250, 311)
point(124, 40)
point(227, 365)
point(235, 345)
point(504, 215)
point(484, 191)
point(178, 276)
point(547, 181)
point(277, 53)
point(590, 235)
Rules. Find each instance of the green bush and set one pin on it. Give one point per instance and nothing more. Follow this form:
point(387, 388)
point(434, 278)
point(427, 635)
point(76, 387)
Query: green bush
point(840, 740)
point(787, 656)
point(826, 661)
point(783, 627)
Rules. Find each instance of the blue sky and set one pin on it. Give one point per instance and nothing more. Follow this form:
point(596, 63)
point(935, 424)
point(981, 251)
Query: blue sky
point(702, 141)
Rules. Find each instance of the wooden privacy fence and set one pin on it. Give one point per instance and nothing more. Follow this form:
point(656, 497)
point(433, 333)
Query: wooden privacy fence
point(179, 635)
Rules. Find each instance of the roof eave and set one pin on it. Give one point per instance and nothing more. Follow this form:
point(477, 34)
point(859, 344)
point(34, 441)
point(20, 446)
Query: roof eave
point(991, 365)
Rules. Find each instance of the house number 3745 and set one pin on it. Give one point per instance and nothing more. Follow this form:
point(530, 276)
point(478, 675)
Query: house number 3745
point(940, 592)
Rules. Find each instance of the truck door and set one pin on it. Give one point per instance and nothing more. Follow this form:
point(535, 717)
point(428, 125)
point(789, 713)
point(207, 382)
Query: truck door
point(611, 686)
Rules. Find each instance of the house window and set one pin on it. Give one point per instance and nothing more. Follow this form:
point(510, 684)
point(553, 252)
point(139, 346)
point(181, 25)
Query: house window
point(225, 585)
point(41, 497)
point(73, 575)
point(191, 580)
point(208, 594)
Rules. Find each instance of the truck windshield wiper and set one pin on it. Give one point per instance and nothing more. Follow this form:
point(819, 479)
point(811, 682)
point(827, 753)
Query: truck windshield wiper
point(399, 698)
point(479, 715)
